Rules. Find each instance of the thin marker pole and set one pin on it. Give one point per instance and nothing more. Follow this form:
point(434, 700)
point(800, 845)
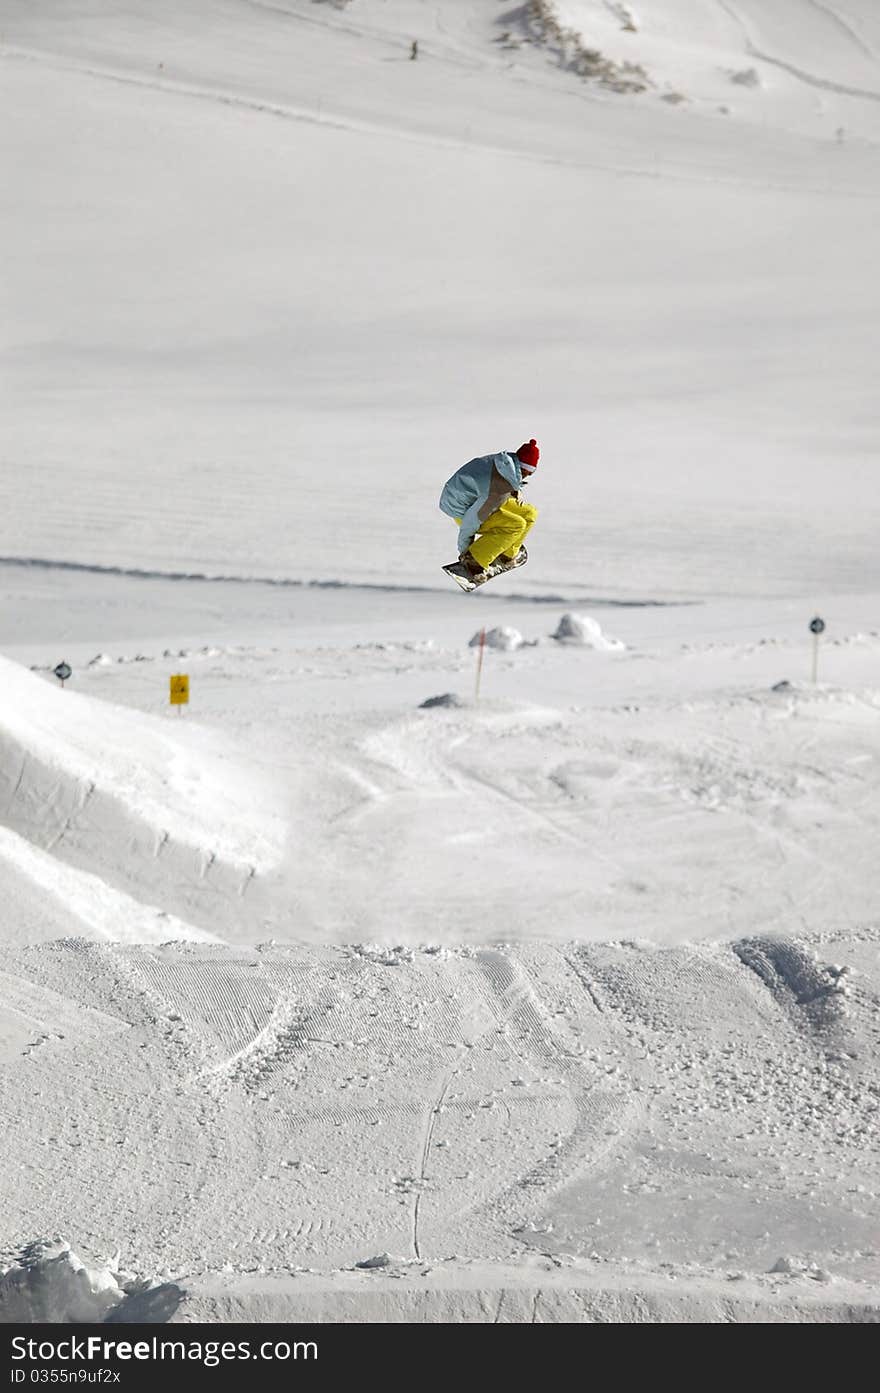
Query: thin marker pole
point(817, 628)
point(480, 652)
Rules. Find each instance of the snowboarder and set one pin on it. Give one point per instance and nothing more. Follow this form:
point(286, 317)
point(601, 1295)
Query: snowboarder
point(484, 498)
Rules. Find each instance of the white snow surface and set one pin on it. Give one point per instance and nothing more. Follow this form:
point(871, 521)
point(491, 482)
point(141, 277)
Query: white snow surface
point(565, 998)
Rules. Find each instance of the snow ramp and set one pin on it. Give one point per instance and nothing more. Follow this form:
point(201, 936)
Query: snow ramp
point(106, 811)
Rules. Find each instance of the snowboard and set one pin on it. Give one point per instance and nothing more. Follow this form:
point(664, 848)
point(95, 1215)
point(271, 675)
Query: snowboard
point(461, 576)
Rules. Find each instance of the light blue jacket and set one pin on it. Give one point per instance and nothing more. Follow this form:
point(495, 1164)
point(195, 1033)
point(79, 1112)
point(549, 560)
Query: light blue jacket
point(465, 495)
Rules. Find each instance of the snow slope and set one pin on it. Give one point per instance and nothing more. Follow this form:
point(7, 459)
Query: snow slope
point(311, 277)
point(792, 63)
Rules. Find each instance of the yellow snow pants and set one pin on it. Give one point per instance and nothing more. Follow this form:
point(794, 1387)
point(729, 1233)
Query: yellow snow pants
point(503, 532)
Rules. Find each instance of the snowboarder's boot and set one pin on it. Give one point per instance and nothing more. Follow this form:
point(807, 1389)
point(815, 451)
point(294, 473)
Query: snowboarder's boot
point(475, 571)
point(508, 563)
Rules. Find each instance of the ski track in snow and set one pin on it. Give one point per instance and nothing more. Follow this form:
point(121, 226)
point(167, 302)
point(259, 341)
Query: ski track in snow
point(809, 78)
point(845, 26)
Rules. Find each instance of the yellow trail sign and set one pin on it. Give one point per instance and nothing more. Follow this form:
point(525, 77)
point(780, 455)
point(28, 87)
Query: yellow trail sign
point(179, 693)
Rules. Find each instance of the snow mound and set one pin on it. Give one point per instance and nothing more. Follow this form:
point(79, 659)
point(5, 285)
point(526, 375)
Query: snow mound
point(61, 749)
point(131, 799)
point(48, 1283)
point(586, 631)
point(383, 955)
point(798, 1267)
point(504, 638)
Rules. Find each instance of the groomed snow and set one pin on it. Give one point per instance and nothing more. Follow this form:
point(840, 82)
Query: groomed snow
point(633, 1113)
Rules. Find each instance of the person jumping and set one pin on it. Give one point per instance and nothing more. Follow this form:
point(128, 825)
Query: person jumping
point(484, 498)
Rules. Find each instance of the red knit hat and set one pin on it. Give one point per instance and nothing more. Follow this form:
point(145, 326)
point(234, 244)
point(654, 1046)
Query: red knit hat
point(529, 454)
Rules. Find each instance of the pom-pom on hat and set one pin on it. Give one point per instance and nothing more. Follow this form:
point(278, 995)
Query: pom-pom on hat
point(528, 455)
